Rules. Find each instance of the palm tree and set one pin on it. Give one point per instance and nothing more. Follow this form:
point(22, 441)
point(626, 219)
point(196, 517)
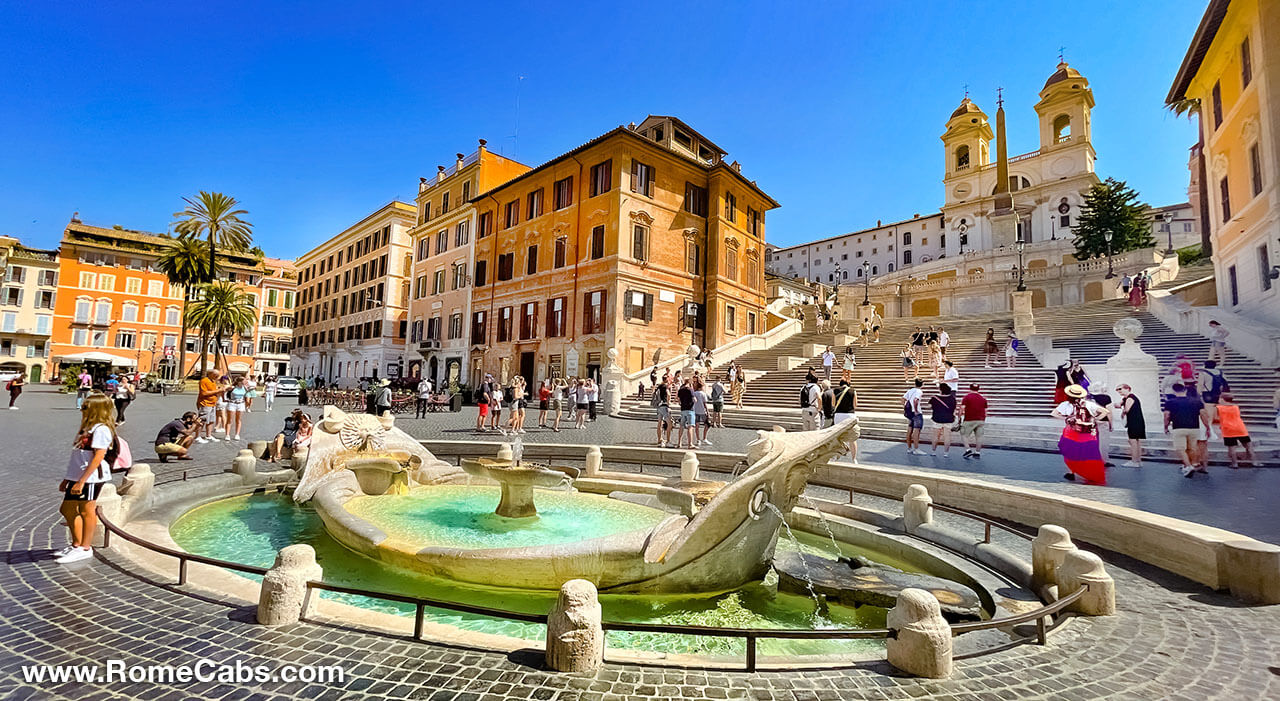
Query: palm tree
point(214, 216)
point(222, 309)
point(184, 263)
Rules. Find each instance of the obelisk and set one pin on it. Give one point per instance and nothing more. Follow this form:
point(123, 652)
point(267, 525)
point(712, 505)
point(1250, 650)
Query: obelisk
point(1004, 221)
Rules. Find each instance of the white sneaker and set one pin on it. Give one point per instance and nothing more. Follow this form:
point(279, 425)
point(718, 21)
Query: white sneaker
point(707, 442)
point(237, 436)
point(13, 408)
point(1130, 463)
point(228, 439)
point(76, 555)
point(1186, 471)
point(219, 430)
point(63, 551)
point(202, 439)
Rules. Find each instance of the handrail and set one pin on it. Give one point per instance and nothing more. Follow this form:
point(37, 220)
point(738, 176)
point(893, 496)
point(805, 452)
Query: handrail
point(750, 635)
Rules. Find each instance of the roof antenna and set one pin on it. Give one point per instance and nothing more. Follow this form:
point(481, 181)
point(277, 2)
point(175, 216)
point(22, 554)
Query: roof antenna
point(515, 138)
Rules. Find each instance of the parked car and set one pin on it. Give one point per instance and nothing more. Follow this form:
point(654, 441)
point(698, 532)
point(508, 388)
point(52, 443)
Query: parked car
point(287, 387)
point(6, 375)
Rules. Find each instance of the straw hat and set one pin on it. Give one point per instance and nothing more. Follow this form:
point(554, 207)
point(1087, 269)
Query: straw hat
point(1075, 392)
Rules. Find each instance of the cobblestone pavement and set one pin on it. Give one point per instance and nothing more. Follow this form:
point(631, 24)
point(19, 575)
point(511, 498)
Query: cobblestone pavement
point(1171, 639)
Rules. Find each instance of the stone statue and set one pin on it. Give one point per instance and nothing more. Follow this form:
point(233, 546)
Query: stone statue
point(575, 639)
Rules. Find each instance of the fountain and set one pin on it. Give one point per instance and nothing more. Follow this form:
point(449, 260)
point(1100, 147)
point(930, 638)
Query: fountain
point(517, 480)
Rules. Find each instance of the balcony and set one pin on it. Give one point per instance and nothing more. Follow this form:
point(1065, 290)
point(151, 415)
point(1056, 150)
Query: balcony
point(428, 344)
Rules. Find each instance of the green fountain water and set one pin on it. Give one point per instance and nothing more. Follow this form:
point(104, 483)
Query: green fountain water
point(252, 528)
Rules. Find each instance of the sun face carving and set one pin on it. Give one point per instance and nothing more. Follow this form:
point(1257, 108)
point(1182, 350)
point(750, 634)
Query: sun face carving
point(362, 432)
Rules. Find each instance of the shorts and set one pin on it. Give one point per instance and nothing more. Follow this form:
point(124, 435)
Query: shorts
point(168, 449)
point(934, 423)
point(582, 406)
point(701, 420)
point(1184, 439)
point(543, 404)
point(687, 418)
point(555, 404)
point(972, 428)
point(915, 421)
point(1233, 441)
point(88, 492)
point(208, 413)
point(717, 406)
point(908, 362)
point(1009, 352)
point(235, 407)
point(484, 409)
point(664, 413)
point(221, 405)
point(841, 418)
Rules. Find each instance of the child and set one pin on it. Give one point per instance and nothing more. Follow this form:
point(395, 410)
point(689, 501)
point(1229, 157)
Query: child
point(1232, 428)
point(87, 471)
point(908, 363)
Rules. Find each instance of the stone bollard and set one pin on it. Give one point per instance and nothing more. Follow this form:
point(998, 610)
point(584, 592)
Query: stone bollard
point(110, 504)
point(922, 645)
point(1048, 549)
point(917, 508)
point(298, 458)
point(258, 448)
point(1079, 568)
point(575, 639)
point(138, 481)
point(1253, 571)
point(593, 462)
point(245, 465)
point(689, 467)
point(284, 588)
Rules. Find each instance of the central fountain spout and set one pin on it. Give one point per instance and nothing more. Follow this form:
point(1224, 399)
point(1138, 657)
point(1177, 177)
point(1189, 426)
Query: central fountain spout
point(516, 480)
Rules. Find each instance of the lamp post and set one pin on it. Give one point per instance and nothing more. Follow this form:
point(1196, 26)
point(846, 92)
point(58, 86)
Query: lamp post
point(1110, 272)
point(866, 278)
point(1020, 244)
point(835, 294)
point(1167, 217)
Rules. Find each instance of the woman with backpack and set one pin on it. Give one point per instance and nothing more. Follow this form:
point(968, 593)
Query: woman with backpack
point(15, 389)
point(88, 469)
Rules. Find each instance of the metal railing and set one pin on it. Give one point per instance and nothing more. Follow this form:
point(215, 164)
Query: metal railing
point(751, 636)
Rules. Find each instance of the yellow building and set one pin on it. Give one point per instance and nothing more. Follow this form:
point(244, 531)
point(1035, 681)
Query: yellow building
point(1232, 72)
point(26, 308)
point(443, 256)
point(276, 316)
point(643, 239)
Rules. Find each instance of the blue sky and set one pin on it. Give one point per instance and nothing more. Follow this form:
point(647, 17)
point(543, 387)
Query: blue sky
point(315, 114)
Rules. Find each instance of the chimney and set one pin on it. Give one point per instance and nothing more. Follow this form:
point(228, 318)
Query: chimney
point(482, 149)
point(736, 166)
point(439, 174)
point(459, 161)
point(422, 184)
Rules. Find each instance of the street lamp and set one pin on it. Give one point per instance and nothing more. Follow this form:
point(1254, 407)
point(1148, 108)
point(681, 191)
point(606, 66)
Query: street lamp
point(1110, 273)
point(866, 278)
point(835, 294)
point(1167, 217)
point(1020, 244)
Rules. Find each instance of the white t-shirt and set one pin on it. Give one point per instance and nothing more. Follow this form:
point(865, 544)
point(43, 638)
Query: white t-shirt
point(424, 389)
point(495, 398)
point(1069, 409)
point(99, 439)
point(271, 386)
point(912, 397)
point(828, 358)
point(952, 377)
point(944, 338)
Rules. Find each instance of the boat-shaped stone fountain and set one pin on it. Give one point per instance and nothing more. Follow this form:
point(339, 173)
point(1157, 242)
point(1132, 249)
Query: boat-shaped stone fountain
point(723, 544)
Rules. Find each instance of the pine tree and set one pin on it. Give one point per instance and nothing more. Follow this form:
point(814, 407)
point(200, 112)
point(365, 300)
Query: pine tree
point(1111, 206)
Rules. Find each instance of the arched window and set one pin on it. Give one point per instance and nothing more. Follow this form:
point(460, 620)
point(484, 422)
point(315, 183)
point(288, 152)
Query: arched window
point(129, 311)
point(859, 273)
point(152, 314)
point(875, 270)
point(906, 257)
point(102, 312)
point(891, 267)
point(1016, 182)
point(1061, 128)
point(962, 157)
point(906, 238)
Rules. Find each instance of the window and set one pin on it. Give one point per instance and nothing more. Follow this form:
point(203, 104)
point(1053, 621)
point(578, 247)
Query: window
point(730, 207)
point(730, 318)
point(152, 314)
point(442, 241)
point(555, 316)
point(459, 275)
point(10, 324)
point(1064, 221)
point(437, 282)
point(478, 328)
point(154, 288)
point(99, 339)
point(1246, 64)
point(171, 316)
point(562, 245)
point(466, 192)
point(1264, 267)
point(485, 226)
point(125, 339)
point(444, 203)
point(504, 324)
point(1061, 128)
point(601, 178)
point(642, 178)
point(423, 246)
point(1255, 169)
point(751, 322)
point(531, 261)
point(563, 192)
point(695, 199)
point(906, 257)
point(534, 204)
point(461, 233)
point(1217, 105)
point(593, 312)
point(597, 242)
point(962, 157)
point(1232, 285)
point(753, 222)
point(482, 271)
point(133, 286)
point(731, 264)
point(506, 266)
point(43, 323)
point(528, 321)
point(87, 280)
point(102, 313)
point(420, 290)
point(906, 238)
point(692, 258)
point(129, 312)
point(692, 316)
point(1225, 191)
point(511, 215)
point(640, 242)
point(48, 278)
point(638, 307)
point(455, 325)
point(17, 274)
point(269, 319)
point(433, 328)
point(13, 296)
point(753, 270)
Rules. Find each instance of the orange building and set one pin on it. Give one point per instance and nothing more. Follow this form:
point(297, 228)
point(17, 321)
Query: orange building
point(642, 239)
point(115, 310)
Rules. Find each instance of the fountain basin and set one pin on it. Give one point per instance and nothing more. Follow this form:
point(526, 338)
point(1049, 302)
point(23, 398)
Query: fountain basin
point(516, 482)
point(858, 582)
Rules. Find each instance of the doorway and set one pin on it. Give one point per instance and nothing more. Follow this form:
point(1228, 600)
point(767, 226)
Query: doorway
point(526, 367)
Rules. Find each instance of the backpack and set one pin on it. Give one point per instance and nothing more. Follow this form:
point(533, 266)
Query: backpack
point(804, 396)
point(1217, 385)
point(119, 456)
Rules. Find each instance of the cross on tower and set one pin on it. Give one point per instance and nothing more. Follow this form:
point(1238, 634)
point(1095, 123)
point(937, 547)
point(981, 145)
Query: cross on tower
point(966, 91)
point(1062, 54)
point(999, 97)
